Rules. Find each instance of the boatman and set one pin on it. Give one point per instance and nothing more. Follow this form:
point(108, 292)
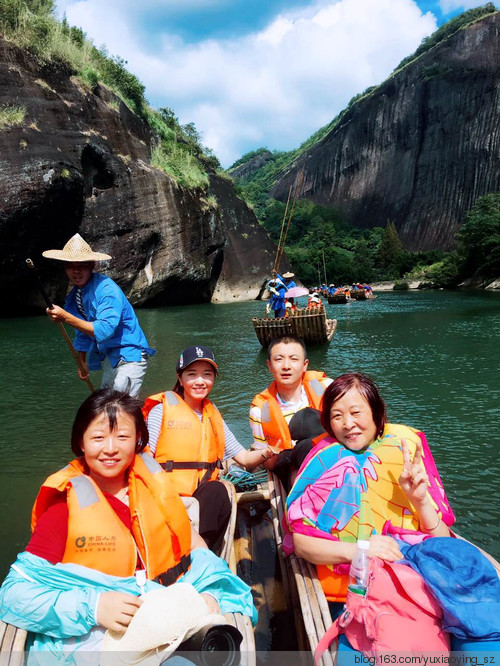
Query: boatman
point(107, 328)
point(277, 290)
point(294, 388)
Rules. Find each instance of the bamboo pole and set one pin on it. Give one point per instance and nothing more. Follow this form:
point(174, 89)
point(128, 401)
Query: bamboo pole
point(275, 266)
point(294, 202)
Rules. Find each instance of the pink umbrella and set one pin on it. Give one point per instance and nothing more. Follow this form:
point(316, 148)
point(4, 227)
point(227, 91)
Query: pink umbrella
point(295, 292)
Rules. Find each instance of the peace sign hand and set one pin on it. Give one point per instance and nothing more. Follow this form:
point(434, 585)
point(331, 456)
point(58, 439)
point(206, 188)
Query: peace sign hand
point(413, 479)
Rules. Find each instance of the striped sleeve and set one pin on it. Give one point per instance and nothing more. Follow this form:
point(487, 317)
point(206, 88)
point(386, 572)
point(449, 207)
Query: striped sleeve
point(232, 447)
point(155, 418)
point(259, 438)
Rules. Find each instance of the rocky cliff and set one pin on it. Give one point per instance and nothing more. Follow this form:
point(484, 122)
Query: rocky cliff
point(80, 163)
point(420, 149)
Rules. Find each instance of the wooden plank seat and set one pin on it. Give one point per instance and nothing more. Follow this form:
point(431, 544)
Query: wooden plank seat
point(306, 596)
point(12, 645)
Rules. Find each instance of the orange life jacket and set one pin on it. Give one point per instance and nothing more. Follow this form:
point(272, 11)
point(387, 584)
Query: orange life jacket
point(274, 424)
point(190, 449)
point(98, 539)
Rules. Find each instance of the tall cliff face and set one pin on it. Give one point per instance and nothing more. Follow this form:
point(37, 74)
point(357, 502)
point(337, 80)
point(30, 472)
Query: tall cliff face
point(80, 163)
point(420, 149)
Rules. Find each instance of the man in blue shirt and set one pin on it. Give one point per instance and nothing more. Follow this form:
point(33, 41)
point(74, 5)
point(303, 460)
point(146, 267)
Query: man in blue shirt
point(107, 329)
point(277, 300)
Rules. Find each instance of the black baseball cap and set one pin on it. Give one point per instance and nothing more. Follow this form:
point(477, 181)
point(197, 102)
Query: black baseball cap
point(195, 353)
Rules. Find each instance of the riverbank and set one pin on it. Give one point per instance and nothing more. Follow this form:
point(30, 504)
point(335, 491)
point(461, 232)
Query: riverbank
point(472, 283)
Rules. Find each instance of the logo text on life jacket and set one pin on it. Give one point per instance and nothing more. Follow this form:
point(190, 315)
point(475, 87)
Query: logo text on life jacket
point(80, 542)
point(178, 425)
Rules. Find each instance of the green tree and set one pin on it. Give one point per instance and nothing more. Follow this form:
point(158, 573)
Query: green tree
point(479, 237)
point(390, 250)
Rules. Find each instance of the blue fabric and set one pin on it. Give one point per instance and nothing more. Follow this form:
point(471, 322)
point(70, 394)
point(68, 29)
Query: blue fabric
point(277, 301)
point(117, 333)
point(58, 602)
point(463, 581)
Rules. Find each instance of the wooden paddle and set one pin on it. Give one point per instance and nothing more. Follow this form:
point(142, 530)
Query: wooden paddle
point(64, 333)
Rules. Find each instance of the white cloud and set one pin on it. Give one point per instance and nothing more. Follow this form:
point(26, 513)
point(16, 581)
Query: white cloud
point(275, 87)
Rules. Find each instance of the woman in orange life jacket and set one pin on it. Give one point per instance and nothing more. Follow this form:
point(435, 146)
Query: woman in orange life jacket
point(112, 510)
point(190, 439)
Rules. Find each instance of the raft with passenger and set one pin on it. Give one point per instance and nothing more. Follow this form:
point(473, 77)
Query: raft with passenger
point(309, 324)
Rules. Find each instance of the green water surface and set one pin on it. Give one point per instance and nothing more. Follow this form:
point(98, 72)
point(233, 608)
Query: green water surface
point(434, 354)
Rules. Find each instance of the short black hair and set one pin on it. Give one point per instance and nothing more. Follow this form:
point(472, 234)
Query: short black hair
point(110, 402)
point(286, 339)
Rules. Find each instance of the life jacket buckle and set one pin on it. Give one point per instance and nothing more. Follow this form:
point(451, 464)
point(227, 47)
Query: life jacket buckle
point(168, 466)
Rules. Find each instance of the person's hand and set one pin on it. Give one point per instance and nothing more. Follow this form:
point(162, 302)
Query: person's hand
point(115, 610)
point(56, 313)
point(270, 461)
point(83, 370)
point(413, 480)
point(212, 603)
point(385, 547)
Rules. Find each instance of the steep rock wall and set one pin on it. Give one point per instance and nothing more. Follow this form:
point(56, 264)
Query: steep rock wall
point(420, 149)
point(80, 163)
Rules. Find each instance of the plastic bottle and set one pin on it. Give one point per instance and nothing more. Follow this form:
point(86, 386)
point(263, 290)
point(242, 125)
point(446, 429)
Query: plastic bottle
point(360, 569)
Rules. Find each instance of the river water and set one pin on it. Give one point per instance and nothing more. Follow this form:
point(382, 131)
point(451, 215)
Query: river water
point(434, 355)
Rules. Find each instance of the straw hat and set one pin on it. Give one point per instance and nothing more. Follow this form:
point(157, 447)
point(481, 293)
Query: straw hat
point(76, 249)
point(167, 617)
point(288, 275)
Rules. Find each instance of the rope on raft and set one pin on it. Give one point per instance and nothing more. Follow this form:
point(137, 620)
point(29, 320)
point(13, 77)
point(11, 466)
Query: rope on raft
point(244, 480)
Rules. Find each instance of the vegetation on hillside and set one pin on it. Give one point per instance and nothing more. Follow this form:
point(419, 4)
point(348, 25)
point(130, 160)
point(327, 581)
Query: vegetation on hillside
point(447, 29)
point(11, 115)
point(31, 24)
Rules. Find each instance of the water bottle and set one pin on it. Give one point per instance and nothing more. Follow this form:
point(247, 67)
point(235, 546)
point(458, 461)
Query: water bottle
point(360, 569)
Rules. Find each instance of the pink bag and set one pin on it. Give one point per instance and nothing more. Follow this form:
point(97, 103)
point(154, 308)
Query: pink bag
point(397, 614)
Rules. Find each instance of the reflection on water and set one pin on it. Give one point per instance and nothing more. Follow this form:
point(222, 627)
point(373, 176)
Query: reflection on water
point(434, 355)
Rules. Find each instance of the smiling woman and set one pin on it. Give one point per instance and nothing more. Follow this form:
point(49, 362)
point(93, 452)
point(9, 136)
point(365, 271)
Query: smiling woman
point(190, 439)
point(114, 524)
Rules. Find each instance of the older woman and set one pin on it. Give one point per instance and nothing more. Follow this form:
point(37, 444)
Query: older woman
point(104, 528)
point(368, 480)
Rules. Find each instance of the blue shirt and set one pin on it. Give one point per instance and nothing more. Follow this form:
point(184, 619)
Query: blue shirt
point(277, 301)
point(117, 333)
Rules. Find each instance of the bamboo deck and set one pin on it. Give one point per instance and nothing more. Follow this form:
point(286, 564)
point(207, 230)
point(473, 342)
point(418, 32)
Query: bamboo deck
point(310, 325)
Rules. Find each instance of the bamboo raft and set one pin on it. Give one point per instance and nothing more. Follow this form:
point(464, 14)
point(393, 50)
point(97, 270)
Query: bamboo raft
point(337, 299)
point(310, 325)
point(255, 523)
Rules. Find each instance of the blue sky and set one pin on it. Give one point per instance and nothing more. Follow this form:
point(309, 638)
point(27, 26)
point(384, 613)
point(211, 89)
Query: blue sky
point(253, 73)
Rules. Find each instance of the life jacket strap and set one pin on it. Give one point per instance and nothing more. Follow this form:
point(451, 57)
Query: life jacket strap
point(169, 577)
point(170, 465)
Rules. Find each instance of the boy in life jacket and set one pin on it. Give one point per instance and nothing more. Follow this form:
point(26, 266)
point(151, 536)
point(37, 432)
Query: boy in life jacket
point(294, 387)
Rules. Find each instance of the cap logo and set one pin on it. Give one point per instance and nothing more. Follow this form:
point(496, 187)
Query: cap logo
point(199, 352)
point(181, 361)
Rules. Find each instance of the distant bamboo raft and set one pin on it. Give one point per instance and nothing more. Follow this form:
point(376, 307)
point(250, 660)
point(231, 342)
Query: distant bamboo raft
point(358, 294)
point(310, 325)
point(335, 299)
